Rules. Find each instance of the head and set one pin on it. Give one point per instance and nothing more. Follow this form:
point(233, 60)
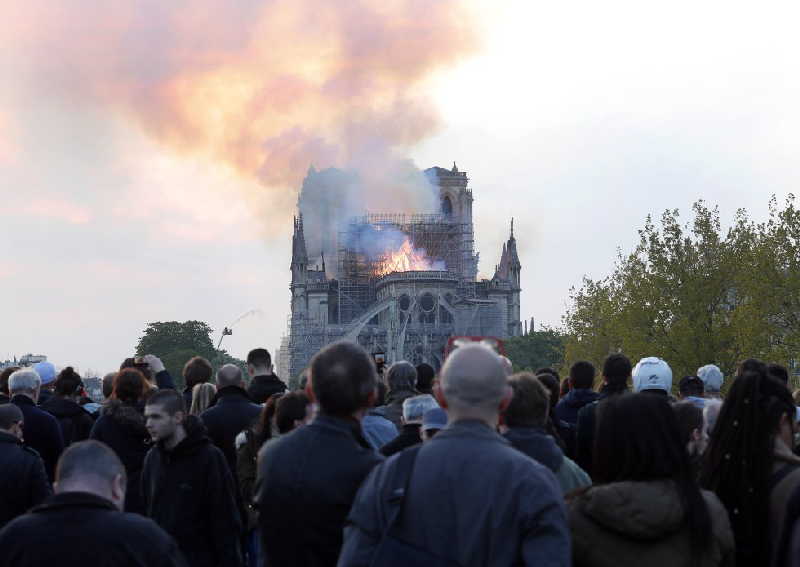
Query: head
point(69, 384)
point(778, 372)
point(108, 384)
point(140, 364)
point(259, 362)
point(230, 375)
point(129, 386)
point(401, 376)
point(692, 427)
point(164, 415)
point(690, 386)
point(197, 370)
point(530, 402)
point(617, 370)
point(292, 410)
point(473, 385)
point(202, 394)
point(91, 466)
point(433, 421)
point(712, 379)
point(548, 370)
point(47, 372)
point(652, 373)
point(25, 382)
point(425, 377)
point(553, 387)
point(581, 375)
point(343, 379)
point(4, 376)
point(416, 406)
point(11, 420)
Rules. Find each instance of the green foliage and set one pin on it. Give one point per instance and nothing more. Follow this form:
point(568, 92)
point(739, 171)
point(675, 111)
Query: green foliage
point(535, 350)
point(693, 294)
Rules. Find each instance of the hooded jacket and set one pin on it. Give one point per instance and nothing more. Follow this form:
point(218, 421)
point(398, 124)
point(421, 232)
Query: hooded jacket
point(264, 386)
point(189, 492)
point(568, 407)
point(231, 412)
point(23, 482)
point(643, 523)
point(121, 427)
point(42, 432)
point(75, 422)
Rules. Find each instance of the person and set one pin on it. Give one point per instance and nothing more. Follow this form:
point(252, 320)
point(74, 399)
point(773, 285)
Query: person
point(433, 421)
point(187, 486)
point(749, 464)
point(693, 432)
point(712, 378)
point(231, 413)
point(377, 430)
point(645, 507)
point(471, 498)
point(121, 426)
point(307, 480)
point(562, 432)
point(23, 482)
point(76, 423)
point(778, 372)
point(83, 523)
point(400, 377)
point(4, 376)
point(108, 384)
point(42, 431)
point(581, 381)
point(616, 372)
point(425, 377)
point(710, 414)
point(525, 419)
point(692, 389)
point(47, 374)
point(410, 435)
point(263, 381)
point(197, 370)
point(653, 376)
point(203, 395)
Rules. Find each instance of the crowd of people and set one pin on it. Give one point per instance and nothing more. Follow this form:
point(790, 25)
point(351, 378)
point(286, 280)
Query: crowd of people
point(475, 466)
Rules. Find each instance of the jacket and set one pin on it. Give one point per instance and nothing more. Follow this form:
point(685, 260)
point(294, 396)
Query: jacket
point(85, 530)
point(568, 407)
point(643, 523)
point(189, 492)
point(75, 422)
point(263, 387)
point(41, 432)
point(540, 447)
point(409, 436)
point(393, 409)
point(472, 499)
point(307, 481)
point(246, 474)
point(232, 413)
point(23, 481)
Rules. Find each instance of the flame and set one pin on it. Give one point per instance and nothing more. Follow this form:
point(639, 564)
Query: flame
point(407, 259)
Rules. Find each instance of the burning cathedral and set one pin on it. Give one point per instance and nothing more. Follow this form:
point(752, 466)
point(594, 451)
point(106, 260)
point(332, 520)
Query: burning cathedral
point(399, 284)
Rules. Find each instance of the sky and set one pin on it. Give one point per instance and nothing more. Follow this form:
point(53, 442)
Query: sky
point(150, 155)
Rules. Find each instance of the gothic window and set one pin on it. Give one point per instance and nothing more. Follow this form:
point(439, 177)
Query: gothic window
point(447, 207)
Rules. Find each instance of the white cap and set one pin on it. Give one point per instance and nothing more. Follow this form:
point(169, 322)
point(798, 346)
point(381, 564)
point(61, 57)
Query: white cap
point(711, 376)
point(652, 373)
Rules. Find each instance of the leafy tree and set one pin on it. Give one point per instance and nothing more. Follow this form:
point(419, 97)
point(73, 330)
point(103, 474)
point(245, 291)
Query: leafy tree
point(535, 350)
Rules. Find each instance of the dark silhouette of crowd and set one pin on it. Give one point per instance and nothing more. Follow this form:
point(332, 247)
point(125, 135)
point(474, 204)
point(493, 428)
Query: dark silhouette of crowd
point(472, 465)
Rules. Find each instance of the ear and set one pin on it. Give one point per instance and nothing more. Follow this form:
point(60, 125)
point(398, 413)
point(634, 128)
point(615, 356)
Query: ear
point(439, 395)
point(507, 395)
point(310, 390)
point(371, 397)
point(118, 487)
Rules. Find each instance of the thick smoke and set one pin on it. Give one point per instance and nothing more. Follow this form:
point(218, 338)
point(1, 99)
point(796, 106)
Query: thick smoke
point(267, 87)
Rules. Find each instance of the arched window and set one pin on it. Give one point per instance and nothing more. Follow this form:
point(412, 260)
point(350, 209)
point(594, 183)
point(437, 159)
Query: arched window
point(447, 206)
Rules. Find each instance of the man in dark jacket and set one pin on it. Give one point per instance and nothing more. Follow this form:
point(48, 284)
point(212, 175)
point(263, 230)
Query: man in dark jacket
point(187, 486)
point(307, 479)
point(263, 381)
point(581, 381)
point(23, 482)
point(82, 525)
point(75, 422)
point(401, 378)
point(413, 410)
point(42, 431)
point(197, 370)
point(472, 500)
point(231, 412)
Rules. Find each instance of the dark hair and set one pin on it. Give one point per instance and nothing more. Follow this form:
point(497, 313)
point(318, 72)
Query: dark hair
point(259, 357)
point(263, 427)
point(425, 376)
point(197, 370)
point(617, 369)
point(550, 382)
point(401, 376)
point(89, 458)
point(739, 459)
point(529, 404)
point(171, 401)
point(343, 378)
point(637, 439)
point(778, 372)
point(108, 384)
point(691, 386)
point(9, 415)
point(689, 417)
point(142, 367)
point(548, 370)
point(289, 408)
point(4, 376)
point(581, 374)
point(68, 383)
point(129, 386)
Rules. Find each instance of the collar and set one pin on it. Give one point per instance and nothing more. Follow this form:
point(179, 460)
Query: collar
point(75, 500)
point(474, 428)
point(22, 400)
point(349, 426)
point(6, 437)
point(231, 392)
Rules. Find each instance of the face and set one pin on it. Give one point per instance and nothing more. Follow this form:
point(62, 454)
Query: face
point(16, 430)
point(159, 423)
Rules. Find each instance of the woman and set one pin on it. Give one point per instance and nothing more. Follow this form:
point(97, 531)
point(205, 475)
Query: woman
point(202, 394)
point(76, 423)
point(122, 427)
point(750, 465)
point(645, 507)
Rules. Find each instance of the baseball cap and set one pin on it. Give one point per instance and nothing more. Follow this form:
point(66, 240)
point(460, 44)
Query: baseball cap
point(652, 373)
point(435, 418)
point(711, 376)
point(46, 371)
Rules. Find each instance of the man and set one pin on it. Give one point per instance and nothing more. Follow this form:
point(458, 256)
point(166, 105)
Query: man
point(472, 500)
point(652, 375)
point(42, 431)
point(4, 376)
point(616, 372)
point(525, 418)
point(377, 430)
point(581, 381)
point(307, 480)
point(712, 378)
point(263, 381)
point(425, 377)
point(47, 374)
point(433, 421)
point(232, 413)
point(400, 378)
point(23, 482)
point(108, 384)
point(187, 486)
point(410, 435)
point(82, 524)
point(196, 371)
point(691, 389)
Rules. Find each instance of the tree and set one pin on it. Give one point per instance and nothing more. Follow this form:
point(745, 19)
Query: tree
point(536, 350)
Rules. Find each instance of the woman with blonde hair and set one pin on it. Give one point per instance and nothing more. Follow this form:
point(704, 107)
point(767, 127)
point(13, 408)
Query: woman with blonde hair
point(202, 394)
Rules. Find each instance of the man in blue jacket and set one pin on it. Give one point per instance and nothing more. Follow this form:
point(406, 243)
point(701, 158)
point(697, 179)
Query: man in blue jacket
point(581, 381)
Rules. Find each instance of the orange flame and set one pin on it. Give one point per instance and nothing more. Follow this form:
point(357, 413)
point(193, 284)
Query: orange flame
point(407, 259)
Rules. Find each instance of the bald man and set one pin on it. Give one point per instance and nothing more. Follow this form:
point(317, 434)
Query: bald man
point(472, 499)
